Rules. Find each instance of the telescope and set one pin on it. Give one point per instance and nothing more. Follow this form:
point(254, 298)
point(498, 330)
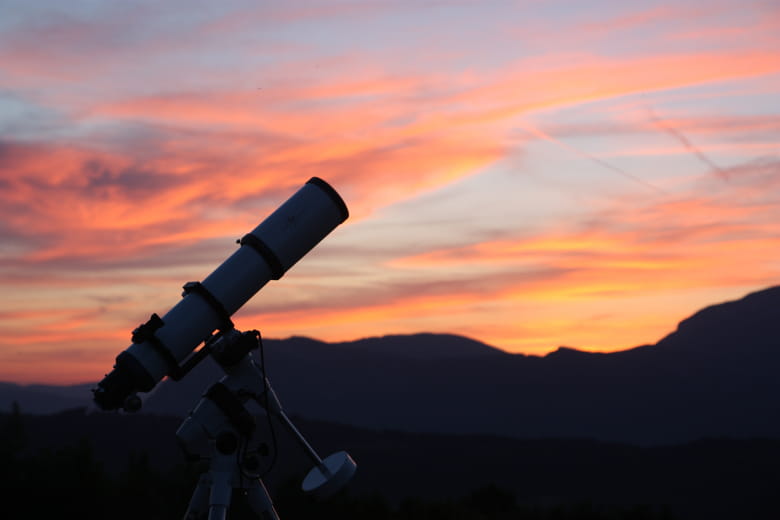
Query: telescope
point(220, 428)
point(164, 346)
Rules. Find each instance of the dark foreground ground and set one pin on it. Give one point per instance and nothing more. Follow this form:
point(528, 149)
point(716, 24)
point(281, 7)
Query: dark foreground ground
point(73, 465)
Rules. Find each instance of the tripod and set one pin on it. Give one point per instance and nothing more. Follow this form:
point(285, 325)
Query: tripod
point(222, 430)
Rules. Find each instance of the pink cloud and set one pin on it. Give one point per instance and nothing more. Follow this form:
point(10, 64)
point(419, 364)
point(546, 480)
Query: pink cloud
point(174, 137)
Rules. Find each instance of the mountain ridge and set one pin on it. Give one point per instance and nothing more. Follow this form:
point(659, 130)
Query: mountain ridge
point(712, 376)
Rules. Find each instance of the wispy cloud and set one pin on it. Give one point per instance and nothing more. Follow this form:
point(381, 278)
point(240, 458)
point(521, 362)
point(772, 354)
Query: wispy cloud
point(139, 142)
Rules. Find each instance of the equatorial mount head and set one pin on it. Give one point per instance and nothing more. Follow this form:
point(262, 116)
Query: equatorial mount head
point(229, 348)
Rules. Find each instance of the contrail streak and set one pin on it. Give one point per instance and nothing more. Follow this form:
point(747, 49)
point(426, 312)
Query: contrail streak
point(660, 123)
point(547, 137)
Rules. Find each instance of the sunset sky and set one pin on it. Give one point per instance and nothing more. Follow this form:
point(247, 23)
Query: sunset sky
point(526, 173)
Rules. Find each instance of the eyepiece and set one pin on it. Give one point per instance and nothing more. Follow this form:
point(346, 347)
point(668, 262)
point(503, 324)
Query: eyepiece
point(128, 377)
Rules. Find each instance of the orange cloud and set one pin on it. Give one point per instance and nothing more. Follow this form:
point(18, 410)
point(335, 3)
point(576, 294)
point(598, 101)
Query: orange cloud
point(55, 344)
point(529, 84)
point(129, 190)
point(365, 131)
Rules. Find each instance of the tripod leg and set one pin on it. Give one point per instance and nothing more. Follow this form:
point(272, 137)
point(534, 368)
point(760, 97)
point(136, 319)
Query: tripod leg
point(199, 503)
point(221, 485)
point(260, 502)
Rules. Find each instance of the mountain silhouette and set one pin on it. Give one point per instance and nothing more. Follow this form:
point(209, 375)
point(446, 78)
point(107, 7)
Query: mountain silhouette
point(44, 399)
point(715, 376)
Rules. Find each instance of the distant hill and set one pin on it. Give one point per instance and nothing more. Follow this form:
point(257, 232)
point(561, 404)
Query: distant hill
point(44, 399)
point(425, 346)
point(716, 375)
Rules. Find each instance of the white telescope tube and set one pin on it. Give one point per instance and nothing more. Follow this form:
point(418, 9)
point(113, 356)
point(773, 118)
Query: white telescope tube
point(160, 345)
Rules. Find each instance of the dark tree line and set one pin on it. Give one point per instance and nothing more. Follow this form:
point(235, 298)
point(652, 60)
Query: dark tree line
point(70, 482)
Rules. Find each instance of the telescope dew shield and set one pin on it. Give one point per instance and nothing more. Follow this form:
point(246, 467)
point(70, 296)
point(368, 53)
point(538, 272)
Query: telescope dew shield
point(266, 253)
